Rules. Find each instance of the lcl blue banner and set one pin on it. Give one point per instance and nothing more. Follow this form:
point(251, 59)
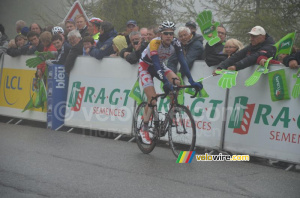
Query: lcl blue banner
point(57, 96)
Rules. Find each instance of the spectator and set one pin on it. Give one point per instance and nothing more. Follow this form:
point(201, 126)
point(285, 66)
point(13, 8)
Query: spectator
point(213, 55)
point(232, 46)
point(35, 44)
point(104, 45)
point(45, 39)
point(63, 49)
point(144, 34)
point(20, 48)
point(133, 52)
point(19, 25)
point(261, 45)
point(131, 26)
point(152, 32)
point(192, 26)
point(93, 28)
point(60, 31)
point(75, 40)
point(192, 49)
point(81, 25)
point(35, 28)
point(25, 31)
point(88, 42)
point(119, 43)
point(70, 25)
point(292, 61)
point(3, 40)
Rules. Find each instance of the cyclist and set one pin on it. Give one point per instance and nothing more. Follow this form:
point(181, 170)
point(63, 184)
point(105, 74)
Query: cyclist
point(93, 28)
point(152, 65)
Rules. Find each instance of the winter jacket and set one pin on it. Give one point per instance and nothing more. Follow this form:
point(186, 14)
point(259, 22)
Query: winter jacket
point(62, 54)
point(213, 55)
point(71, 58)
point(295, 56)
point(104, 45)
point(14, 52)
point(39, 48)
point(84, 32)
point(134, 55)
point(249, 55)
point(192, 51)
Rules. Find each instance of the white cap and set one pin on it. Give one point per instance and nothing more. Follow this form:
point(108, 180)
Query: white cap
point(257, 30)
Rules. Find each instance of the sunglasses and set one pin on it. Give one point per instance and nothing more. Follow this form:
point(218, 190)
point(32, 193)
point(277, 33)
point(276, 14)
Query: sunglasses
point(168, 33)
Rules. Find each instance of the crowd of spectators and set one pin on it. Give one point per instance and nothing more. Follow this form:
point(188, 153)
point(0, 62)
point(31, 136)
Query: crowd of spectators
point(98, 39)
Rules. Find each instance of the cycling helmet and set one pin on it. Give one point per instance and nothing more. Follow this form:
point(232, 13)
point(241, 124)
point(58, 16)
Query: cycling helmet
point(96, 21)
point(57, 30)
point(166, 25)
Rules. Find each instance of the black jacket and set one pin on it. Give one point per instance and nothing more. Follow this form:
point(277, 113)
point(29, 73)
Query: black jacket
point(75, 51)
point(248, 56)
point(14, 52)
point(295, 56)
point(84, 32)
point(62, 54)
point(213, 55)
point(134, 56)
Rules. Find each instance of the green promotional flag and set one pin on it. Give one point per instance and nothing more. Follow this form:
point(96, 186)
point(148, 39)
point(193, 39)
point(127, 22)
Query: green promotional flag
point(228, 78)
point(208, 29)
point(29, 104)
point(296, 88)
point(41, 95)
point(284, 45)
point(278, 85)
point(252, 80)
point(201, 94)
point(135, 92)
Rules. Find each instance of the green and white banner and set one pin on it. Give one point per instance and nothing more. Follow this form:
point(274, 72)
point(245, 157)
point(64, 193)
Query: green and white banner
point(278, 85)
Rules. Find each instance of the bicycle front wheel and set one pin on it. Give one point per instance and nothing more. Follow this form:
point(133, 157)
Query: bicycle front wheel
point(138, 124)
point(181, 130)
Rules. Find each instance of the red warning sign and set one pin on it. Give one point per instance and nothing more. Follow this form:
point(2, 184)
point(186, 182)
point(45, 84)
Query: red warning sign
point(76, 9)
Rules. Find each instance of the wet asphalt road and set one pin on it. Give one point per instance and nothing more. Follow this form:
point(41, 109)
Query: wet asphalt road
point(36, 162)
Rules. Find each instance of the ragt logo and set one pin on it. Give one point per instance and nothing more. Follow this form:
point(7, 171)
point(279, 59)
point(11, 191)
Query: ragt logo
point(241, 116)
point(76, 96)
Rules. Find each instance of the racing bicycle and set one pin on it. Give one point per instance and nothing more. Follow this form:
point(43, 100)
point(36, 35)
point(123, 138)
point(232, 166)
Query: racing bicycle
point(178, 122)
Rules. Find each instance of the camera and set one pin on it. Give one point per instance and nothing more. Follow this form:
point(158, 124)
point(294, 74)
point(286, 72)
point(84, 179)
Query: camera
point(135, 43)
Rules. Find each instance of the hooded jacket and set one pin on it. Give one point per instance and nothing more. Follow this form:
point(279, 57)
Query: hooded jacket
point(192, 51)
point(104, 45)
point(249, 55)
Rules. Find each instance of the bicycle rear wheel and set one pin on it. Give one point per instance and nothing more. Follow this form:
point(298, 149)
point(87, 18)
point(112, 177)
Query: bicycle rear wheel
point(181, 130)
point(138, 123)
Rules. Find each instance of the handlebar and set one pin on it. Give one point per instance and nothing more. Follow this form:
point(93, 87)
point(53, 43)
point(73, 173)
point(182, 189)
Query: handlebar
point(176, 88)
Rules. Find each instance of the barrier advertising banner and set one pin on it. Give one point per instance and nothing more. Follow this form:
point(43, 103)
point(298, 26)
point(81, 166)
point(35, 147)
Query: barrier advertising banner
point(17, 88)
point(56, 96)
point(260, 127)
point(98, 95)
